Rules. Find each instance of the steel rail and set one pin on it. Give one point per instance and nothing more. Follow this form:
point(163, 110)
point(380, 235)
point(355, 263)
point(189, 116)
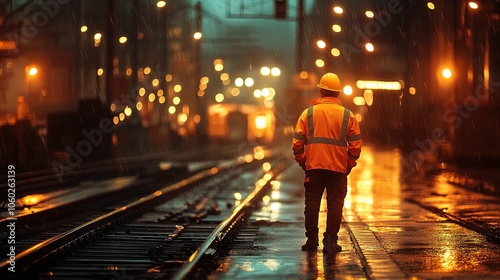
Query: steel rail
point(221, 231)
point(39, 253)
point(45, 251)
point(489, 234)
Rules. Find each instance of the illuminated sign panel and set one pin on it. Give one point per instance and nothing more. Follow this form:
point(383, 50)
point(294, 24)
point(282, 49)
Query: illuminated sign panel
point(8, 45)
point(382, 85)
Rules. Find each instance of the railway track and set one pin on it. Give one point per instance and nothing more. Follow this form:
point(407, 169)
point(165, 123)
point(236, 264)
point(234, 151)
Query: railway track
point(63, 176)
point(41, 207)
point(462, 201)
point(159, 234)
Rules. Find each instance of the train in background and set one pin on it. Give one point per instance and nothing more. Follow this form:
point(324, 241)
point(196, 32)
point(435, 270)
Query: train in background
point(240, 122)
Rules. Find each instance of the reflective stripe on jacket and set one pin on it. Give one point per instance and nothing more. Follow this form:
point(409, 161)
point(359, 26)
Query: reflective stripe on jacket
point(327, 136)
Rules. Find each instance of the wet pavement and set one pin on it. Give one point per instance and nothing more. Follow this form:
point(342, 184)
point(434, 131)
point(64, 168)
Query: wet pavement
point(388, 232)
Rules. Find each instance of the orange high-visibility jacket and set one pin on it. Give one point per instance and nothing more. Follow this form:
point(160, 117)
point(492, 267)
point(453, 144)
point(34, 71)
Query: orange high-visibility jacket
point(327, 136)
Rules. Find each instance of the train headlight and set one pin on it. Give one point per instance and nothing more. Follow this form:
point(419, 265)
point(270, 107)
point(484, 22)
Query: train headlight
point(261, 122)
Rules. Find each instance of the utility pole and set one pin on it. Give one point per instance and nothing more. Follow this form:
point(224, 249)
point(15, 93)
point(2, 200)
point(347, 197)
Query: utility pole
point(134, 61)
point(299, 60)
point(110, 48)
point(202, 106)
point(163, 66)
point(295, 107)
point(198, 41)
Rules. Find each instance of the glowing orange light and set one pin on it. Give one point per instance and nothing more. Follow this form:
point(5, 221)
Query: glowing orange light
point(33, 71)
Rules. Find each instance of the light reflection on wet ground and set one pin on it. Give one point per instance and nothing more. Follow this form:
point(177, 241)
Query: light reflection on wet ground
point(421, 243)
point(275, 252)
point(399, 239)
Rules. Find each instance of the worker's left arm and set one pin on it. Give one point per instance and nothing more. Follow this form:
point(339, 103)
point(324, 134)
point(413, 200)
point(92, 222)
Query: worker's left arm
point(353, 137)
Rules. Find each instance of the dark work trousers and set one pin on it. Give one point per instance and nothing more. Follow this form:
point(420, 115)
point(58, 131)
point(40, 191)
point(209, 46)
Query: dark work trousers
point(316, 182)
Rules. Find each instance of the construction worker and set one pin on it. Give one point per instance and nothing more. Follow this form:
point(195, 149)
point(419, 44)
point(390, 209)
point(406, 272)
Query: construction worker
point(326, 144)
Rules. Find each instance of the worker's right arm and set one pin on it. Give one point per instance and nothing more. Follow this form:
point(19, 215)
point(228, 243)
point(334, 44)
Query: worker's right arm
point(299, 141)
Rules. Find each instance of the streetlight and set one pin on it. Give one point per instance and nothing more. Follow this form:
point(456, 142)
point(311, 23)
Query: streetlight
point(347, 90)
point(275, 71)
point(161, 4)
point(369, 47)
point(249, 82)
point(197, 35)
point(338, 10)
point(447, 73)
point(265, 71)
point(321, 44)
point(320, 63)
point(97, 39)
point(473, 5)
point(335, 52)
point(32, 72)
point(22, 108)
point(239, 82)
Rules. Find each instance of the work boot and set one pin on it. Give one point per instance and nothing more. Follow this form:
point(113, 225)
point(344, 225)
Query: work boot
point(311, 244)
point(332, 249)
point(330, 245)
